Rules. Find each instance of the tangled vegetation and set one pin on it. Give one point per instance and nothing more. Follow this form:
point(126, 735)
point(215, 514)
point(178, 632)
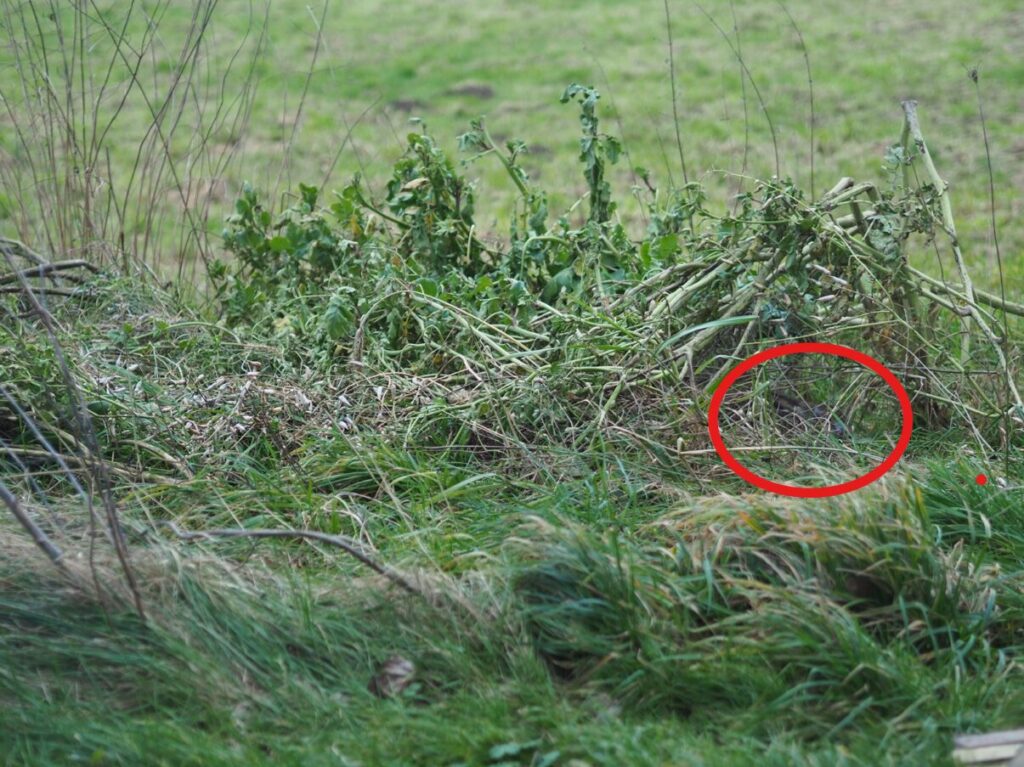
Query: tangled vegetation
point(619, 335)
point(404, 491)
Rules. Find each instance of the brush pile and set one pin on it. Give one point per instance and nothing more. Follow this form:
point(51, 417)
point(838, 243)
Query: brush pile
point(571, 334)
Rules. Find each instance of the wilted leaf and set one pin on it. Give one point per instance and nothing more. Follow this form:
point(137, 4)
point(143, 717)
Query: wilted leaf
point(392, 677)
point(416, 183)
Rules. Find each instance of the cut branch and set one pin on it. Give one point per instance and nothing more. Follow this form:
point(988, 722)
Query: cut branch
point(44, 269)
point(913, 130)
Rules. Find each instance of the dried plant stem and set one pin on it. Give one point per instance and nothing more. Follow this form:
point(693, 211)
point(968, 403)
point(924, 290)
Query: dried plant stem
point(675, 101)
point(746, 113)
point(982, 297)
point(42, 540)
point(46, 269)
point(912, 131)
point(995, 235)
point(86, 437)
point(753, 84)
point(346, 544)
point(86, 463)
point(810, 82)
point(11, 248)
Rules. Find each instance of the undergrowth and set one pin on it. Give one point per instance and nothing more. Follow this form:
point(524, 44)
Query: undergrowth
point(511, 435)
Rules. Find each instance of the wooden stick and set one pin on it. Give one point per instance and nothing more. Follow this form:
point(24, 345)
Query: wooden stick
point(11, 248)
point(39, 289)
point(41, 539)
point(44, 269)
point(346, 544)
point(988, 299)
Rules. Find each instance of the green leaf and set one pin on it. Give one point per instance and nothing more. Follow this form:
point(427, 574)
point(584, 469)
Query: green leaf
point(278, 244)
point(722, 323)
point(667, 246)
point(565, 279)
point(504, 750)
point(612, 148)
point(309, 194)
point(548, 759)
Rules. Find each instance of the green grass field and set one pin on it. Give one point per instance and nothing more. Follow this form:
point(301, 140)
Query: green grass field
point(384, 429)
point(372, 68)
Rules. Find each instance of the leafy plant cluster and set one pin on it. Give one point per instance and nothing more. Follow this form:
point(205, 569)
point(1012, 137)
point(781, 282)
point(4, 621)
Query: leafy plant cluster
point(340, 259)
point(408, 283)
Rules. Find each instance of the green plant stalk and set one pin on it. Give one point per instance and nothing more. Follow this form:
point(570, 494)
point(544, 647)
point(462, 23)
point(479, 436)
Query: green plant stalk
point(912, 130)
point(523, 190)
point(983, 297)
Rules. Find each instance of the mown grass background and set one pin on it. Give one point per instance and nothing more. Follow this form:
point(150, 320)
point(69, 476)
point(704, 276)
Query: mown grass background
point(366, 68)
point(601, 606)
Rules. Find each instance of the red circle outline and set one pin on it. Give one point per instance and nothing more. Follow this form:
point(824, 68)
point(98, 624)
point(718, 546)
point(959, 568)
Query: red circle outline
point(799, 491)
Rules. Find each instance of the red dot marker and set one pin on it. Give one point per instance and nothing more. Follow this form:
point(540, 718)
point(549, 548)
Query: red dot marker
point(981, 479)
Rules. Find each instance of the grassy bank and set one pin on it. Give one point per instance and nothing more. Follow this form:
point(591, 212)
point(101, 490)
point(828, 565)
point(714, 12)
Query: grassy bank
point(567, 592)
point(415, 468)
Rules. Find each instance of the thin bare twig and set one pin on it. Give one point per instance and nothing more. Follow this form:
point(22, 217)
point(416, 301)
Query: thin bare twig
point(286, 166)
point(746, 112)
point(753, 84)
point(41, 539)
point(973, 74)
point(43, 270)
point(86, 435)
point(346, 544)
point(675, 101)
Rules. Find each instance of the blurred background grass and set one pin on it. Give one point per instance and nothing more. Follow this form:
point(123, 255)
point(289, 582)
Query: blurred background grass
point(362, 69)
